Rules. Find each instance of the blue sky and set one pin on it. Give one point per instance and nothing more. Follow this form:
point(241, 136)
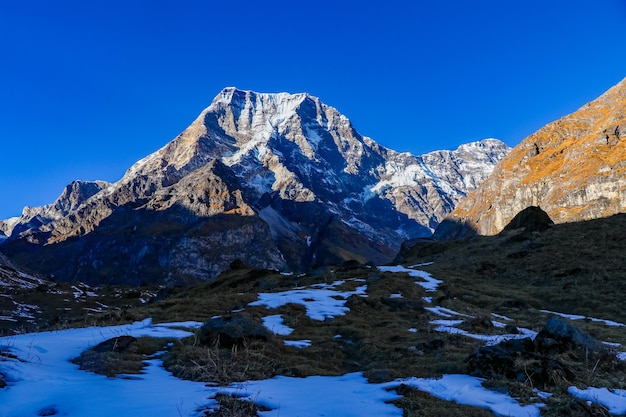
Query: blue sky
point(89, 87)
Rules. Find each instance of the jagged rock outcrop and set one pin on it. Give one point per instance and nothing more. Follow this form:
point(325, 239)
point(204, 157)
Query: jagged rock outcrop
point(278, 181)
point(74, 194)
point(573, 168)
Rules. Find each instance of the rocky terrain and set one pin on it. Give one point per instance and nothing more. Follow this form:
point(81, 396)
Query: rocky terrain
point(525, 323)
point(278, 181)
point(29, 302)
point(573, 168)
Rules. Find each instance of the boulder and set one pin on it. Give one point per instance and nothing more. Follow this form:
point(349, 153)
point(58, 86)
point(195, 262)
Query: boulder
point(232, 331)
point(559, 336)
point(116, 344)
point(531, 219)
point(522, 359)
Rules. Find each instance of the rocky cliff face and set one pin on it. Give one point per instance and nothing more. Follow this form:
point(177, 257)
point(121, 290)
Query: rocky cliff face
point(573, 168)
point(276, 180)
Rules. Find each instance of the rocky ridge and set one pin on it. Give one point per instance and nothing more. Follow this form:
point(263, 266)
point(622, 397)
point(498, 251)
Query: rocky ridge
point(279, 181)
point(573, 168)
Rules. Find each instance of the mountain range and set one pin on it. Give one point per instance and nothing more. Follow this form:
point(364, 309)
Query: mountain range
point(527, 322)
point(573, 168)
point(280, 181)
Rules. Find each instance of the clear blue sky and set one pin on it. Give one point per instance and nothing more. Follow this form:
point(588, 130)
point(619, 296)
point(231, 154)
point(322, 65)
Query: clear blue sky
point(89, 87)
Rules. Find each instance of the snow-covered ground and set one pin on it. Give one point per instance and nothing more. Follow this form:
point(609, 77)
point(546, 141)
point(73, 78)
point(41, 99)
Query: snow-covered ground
point(321, 301)
point(427, 281)
point(42, 380)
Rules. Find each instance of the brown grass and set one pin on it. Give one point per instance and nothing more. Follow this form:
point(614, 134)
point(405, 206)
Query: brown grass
point(129, 361)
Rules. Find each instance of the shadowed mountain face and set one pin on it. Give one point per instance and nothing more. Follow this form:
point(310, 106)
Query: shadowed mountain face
point(573, 168)
point(277, 181)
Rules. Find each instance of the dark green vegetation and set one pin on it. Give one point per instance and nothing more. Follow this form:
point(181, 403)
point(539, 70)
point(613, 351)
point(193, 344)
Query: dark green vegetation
point(575, 268)
point(570, 268)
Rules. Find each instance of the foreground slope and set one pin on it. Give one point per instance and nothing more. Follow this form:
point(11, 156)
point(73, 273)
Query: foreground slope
point(278, 181)
point(573, 168)
point(472, 339)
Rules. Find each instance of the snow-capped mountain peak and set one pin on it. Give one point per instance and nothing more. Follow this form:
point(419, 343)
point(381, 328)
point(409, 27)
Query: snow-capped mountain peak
point(286, 175)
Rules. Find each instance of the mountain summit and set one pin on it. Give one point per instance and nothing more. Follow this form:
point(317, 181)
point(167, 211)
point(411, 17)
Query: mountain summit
point(278, 181)
point(573, 168)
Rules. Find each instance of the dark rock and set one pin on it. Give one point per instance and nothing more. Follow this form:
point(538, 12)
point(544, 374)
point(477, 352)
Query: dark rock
point(517, 360)
point(231, 331)
point(531, 219)
point(522, 359)
point(3, 383)
point(117, 344)
point(481, 323)
point(377, 376)
point(454, 229)
point(237, 264)
point(510, 329)
point(431, 345)
point(559, 336)
point(498, 361)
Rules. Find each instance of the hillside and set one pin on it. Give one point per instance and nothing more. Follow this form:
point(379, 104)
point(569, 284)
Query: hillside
point(573, 168)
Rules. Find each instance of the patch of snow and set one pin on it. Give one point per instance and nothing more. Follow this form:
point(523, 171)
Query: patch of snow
point(429, 283)
point(444, 312)
point(7, 318)
point(446, 322)
point(298, 343)
point(181, 324)
point(613, 400)
point(447, 326)
point(499, 316)
point(275, 325)
point(395, 296)
point(542, 394)
point(467, 390)
point(61, 388)
point(359, 225)
point(422, 264)
point(412, 330)
point(578, 317)
point(44, 381)
point(429, 300)
point(313, 396)
point(321, 301)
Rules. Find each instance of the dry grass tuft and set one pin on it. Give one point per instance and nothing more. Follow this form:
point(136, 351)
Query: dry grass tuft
point(188, 359)
point(113, 362)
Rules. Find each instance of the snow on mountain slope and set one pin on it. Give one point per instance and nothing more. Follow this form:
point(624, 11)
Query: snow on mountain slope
point(343, 195)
